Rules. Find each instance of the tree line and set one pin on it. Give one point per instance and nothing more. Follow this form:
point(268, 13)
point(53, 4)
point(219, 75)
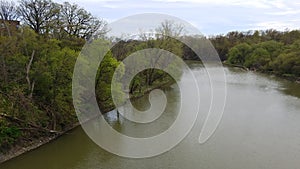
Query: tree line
point(271, 51)
point(53, 19)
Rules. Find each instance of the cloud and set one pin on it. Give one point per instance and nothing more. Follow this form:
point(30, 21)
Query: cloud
point(283, 13)
point(279, 4)
point(211, 16)
point(252, 3)
point(278, 25)
point(93, 1)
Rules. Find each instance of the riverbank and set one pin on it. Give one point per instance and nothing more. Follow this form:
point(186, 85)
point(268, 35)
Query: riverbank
point(18, 150)
point(75, 150)
point(234, 65)
point(283, 76)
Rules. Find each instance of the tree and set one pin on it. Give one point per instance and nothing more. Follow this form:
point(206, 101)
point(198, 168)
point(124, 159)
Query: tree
point(53, 71)
point(222, 46)
point(273, 47)
point(169, 28)
point(80, 23)
point(238, 53)
point(104, 84)
point(8, 10)
point(290, 37)
point(166, 35)
point(37, 13)
point(288, 62)
point(36, 69)
point(258, 59)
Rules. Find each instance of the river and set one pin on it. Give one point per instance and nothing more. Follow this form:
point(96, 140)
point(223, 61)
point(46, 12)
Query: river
point(260, 129)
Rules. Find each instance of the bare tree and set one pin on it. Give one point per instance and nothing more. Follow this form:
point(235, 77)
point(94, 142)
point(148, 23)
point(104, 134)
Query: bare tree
point(165, 34)
point(37, 13)
point(169, 28)
point(8, 10)
point(80, 23)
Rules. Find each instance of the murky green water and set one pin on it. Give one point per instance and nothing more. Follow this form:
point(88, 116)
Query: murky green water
point(260, 129)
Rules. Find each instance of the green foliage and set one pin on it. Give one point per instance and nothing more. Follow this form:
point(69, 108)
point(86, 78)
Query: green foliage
point(35, 87)
point(258, 59)
point(268, 50)
point(288, 62)
point(273, 48)
point(239, 53)
point(36, 69)
point(8, 135)
point(103, 83)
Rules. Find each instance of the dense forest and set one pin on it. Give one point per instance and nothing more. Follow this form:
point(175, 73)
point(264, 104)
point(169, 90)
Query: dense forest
point(37, 59)
point(270, 51)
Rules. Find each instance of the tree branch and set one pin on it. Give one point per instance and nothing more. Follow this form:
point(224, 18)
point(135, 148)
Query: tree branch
point(30, 86)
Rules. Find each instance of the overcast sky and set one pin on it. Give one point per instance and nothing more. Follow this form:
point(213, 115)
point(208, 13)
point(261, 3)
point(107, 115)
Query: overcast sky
point(209, 16)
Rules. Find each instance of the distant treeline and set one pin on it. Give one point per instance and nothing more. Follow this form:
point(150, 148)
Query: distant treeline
point(267, 51)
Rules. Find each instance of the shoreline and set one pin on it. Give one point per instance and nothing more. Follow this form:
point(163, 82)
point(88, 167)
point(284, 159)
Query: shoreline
point(286, 77)
point(17, 150)
point(234, 65)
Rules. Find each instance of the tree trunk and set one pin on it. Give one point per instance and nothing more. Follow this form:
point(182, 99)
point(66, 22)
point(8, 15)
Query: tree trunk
point(4, 71)
point(30, 86)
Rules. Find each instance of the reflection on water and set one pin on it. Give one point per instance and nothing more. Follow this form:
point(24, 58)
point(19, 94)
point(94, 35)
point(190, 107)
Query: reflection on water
point(161, 124)
point(260, 129)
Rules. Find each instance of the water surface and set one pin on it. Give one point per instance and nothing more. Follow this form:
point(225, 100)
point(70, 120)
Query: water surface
point(260, 129)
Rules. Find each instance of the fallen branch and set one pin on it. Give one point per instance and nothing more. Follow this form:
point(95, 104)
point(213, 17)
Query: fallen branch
point(30, 124)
